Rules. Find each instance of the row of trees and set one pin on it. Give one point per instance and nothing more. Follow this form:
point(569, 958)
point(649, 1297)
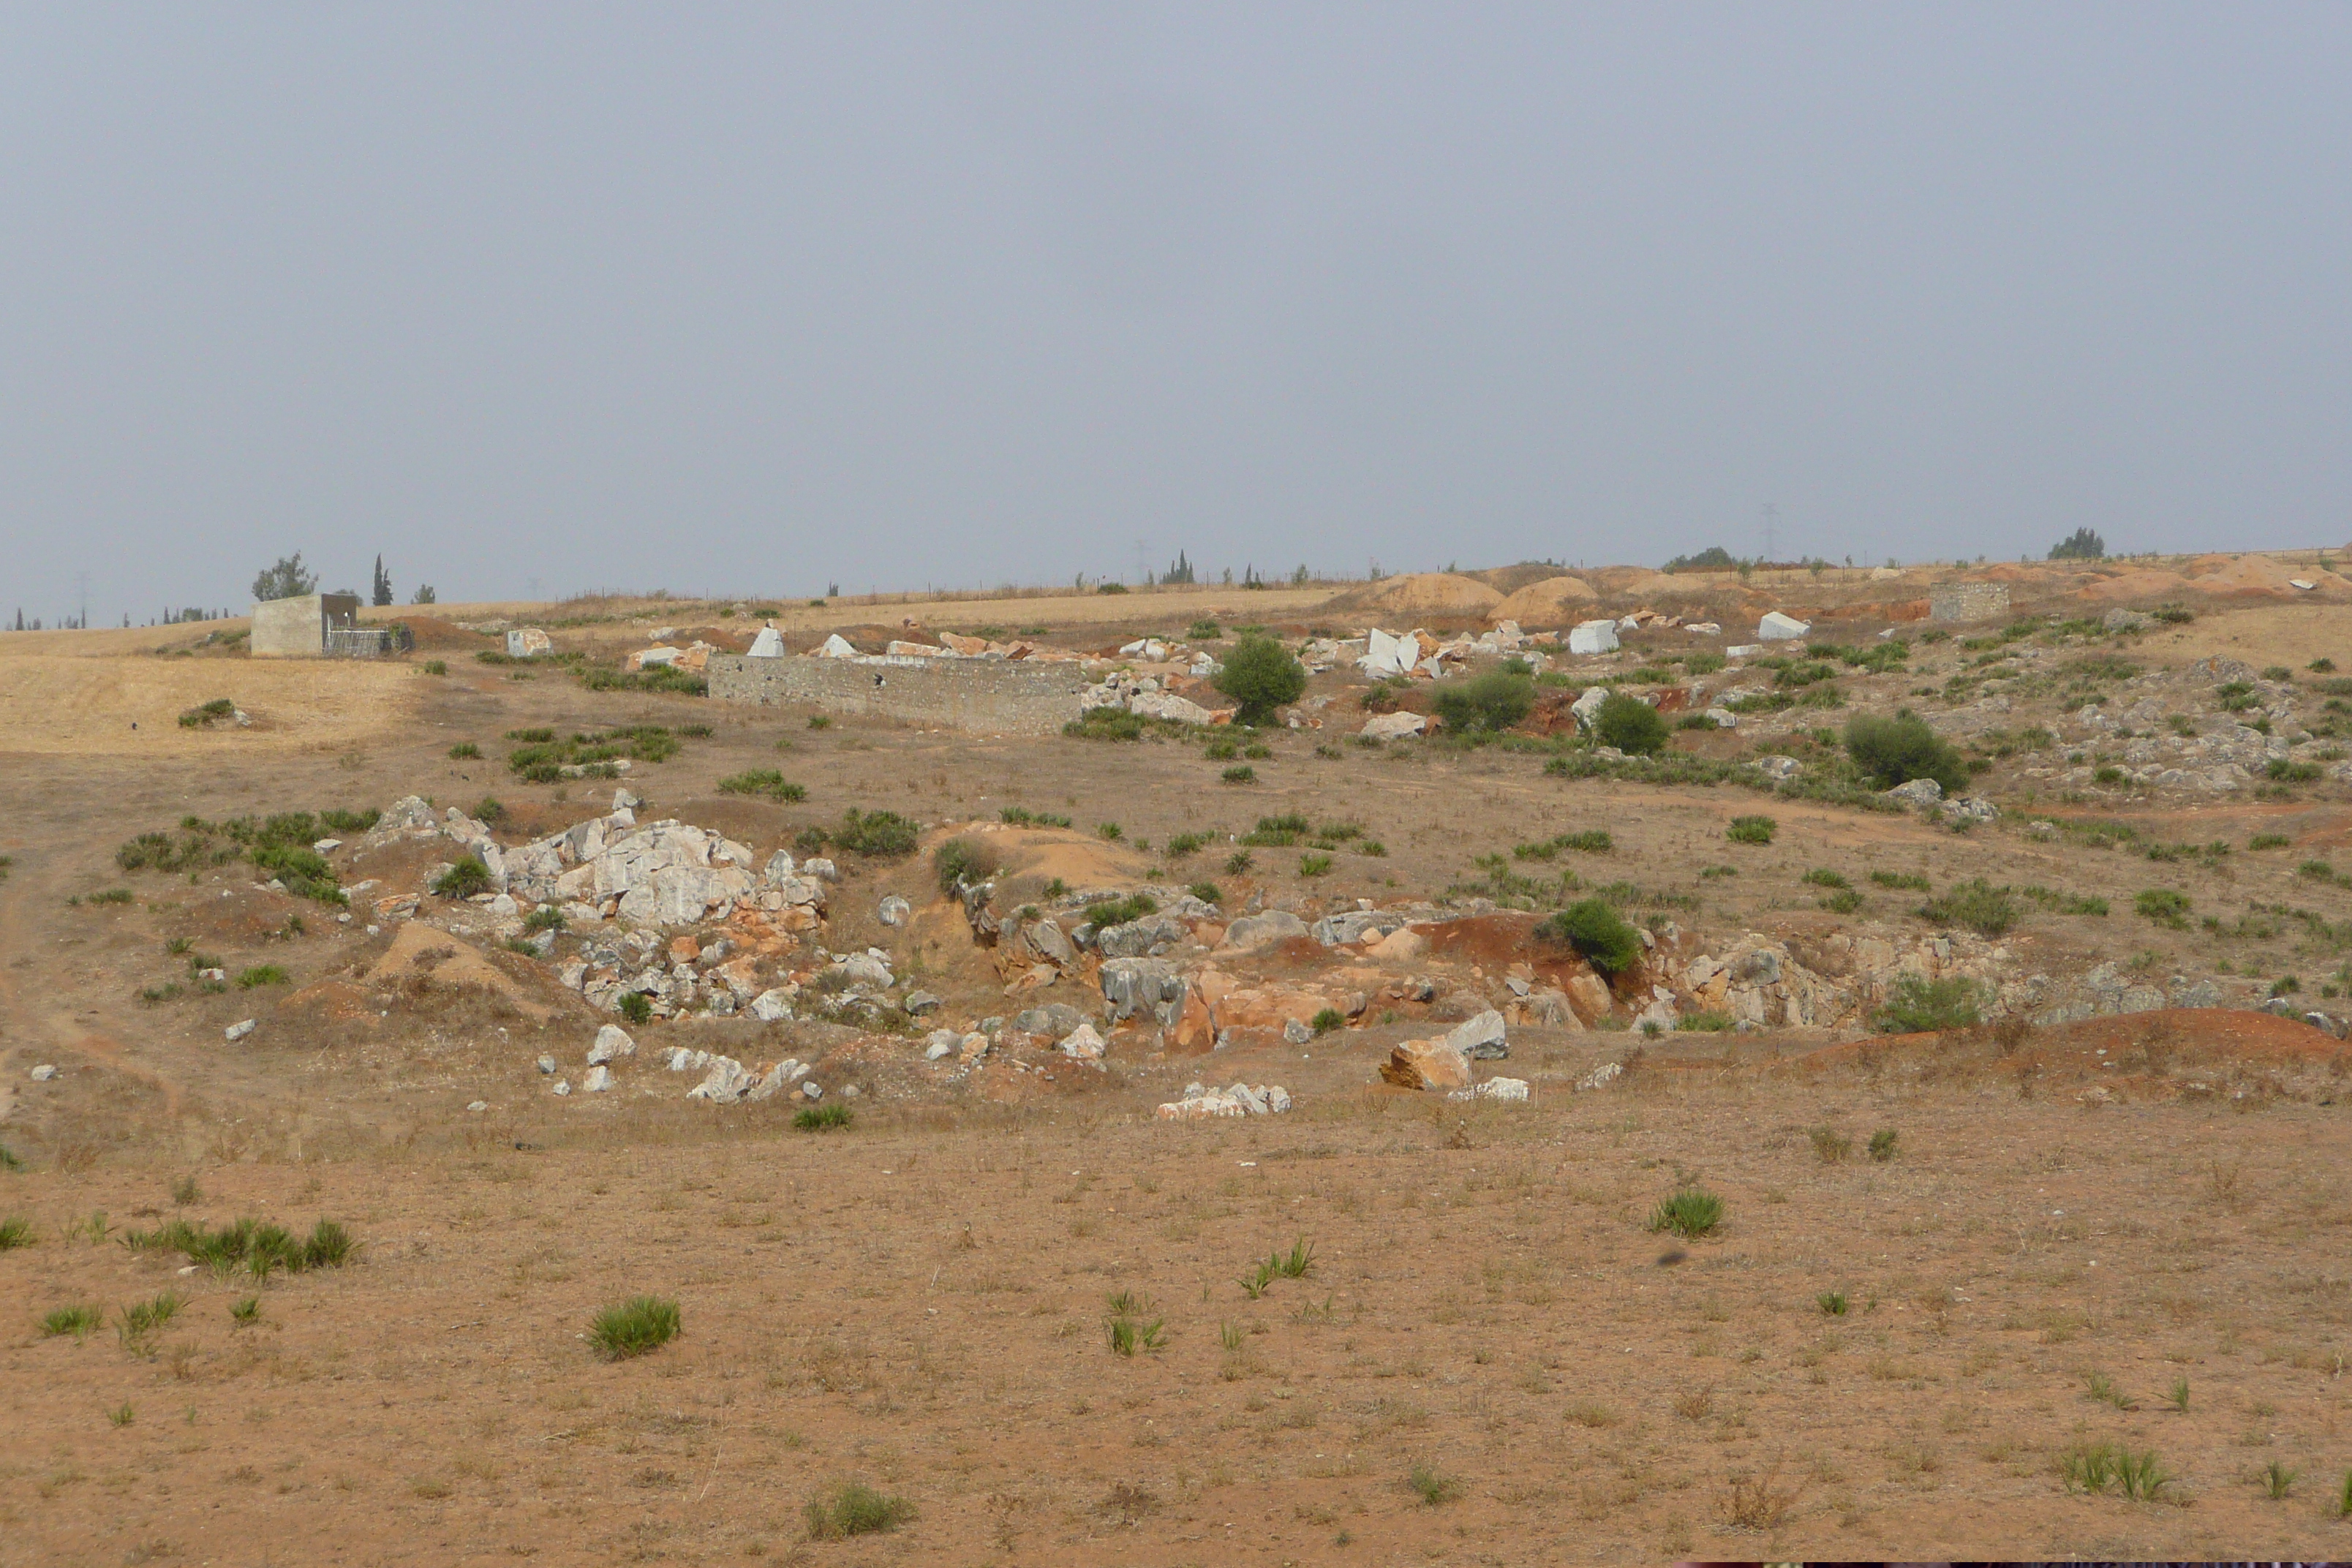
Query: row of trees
point(288, 578)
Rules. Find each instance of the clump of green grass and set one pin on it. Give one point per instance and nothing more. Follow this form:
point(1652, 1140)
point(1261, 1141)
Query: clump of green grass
point(635, 1007)
point(122, 1415)
point(2278, 1481)
point(464, 750)
point(635, 1327)
point(15, 1231)
point(1881, 1144)
point(1831, 1303)
point(258, 1248)
point(9, 1160)
point(1823, 877)
point(2268, 841)
point(2098, 1385)
point(1131, 1326)
point(959, 861)
point(853, 1508)
point(1207, 892)
point(246, 1310)
point(1238, 863)
point(1328, 1019)
point(1830, 1146)
point(1898, 879)
point(1241, 775)
point(2164, 906)
point(78, 1322)
point(767, 782)
point(1432, 1486)
point(207, 713)
point(823, 1118)
point(260, 975)
point(1751, 829)
point(138, 1324)
point(1689, 1212)
point(1314, 865)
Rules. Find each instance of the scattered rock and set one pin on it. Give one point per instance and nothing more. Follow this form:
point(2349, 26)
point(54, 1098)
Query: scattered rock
point(1426, 1064)
point(1494, 1088)
point(1778, 628)
point(1082, 1043)
point(922, 1001)
point(1242, 1099)
point(1055, 1018)
point(1600, 1077)
point(1593, 637)
point(1921, 793)
point(560, 1086)
point(1251, 932)
point(480, 1105)
point(44, 1073)
point(1480, 1039)
point(238, 1031)
point(547, 1067)
point(612, 1042)
point(773, 1006)
point(942, 1045)
point(1394, 726)
point(895, 910)
point(1297, 1032)
point(598, 1080)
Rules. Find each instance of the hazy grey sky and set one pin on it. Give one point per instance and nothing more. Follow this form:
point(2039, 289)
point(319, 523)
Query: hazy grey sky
point(756, 298)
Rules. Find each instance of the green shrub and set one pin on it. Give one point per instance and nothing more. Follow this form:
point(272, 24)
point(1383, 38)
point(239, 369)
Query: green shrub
point(1432, 1486)
point(820, 721)
point(634, 1327)
point(1751, 830)
point(1881, 1144)
point(1104, 913)
point(1240, 776)
point(1205, 631)
point(768, 782)
point(962, 861)
point(1894, 751)
point(1489, 702)
point(1598, 932)
point(1207, 892)
point(15, 1231)
point(463, 750)
point(1915, 1006)
point(2268, 841)
point(1910, 879)
point(1690, 1212)
point(436, 667)
point(260, 975)
point(1105, 724)
point(823, 1118)
point(2164, 906)
point(884, 835)
point(855, 1510)
point(205, 713)
point(1976, 904)
point(1821, 876)
point(1314, 865)
point(1631, 725)
point(1261, 675)
point(634, 1007)
point(463, 879)
point(547, 917)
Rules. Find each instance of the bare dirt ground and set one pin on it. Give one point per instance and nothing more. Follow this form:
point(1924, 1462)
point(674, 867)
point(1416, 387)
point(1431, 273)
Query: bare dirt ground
point(2126, 1229)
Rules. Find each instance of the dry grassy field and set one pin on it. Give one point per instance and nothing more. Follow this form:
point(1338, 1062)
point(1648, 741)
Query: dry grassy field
point(2025, 1288)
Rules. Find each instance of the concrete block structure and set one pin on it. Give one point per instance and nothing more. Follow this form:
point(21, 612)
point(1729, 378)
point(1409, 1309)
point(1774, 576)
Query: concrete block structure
point(1968, 601)
point(321, 626)
point(297, 627)
point(995, 696)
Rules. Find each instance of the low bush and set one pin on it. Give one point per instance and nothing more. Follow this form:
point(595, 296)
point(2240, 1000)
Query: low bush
point(463, 750)
point(1432, 1485)
point(1312, 865)
point(963, 861)
point(1976, 904)
point(1240, 776)
point(464, 879)
point(1207, 892)
point(1489, 702)
point(634, 1327)
point(1597, 931)
point(1105, 724)
point(256, 1246)
point(1895, 749)
point(854, 1509)
point(826, 1117)
point(1106, 913)
point(2164, 906)
point(1915, 1006)
point(767, 782)
point(15, 1231)
point(635, 1007)
point(1911, 879)
point(260, 975)
point(1631, 725)
point(207, 713)
point(78, 1322)
point(1261, 676)
point(882, 835)
point(1751, 830)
